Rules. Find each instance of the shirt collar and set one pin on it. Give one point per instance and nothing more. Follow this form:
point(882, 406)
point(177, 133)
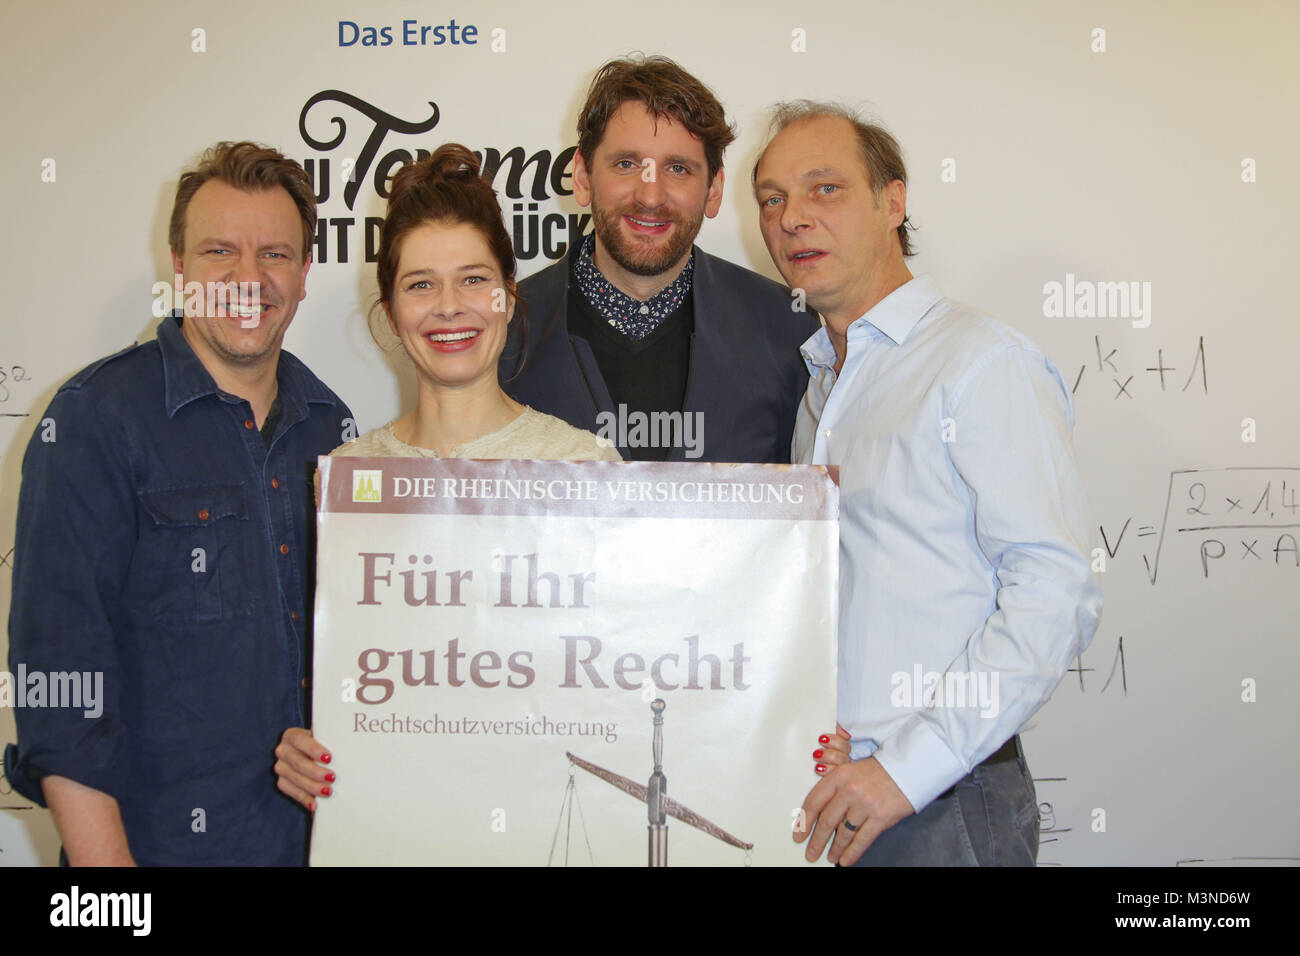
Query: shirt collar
point(897, 313)
point(630, 316)
point(894, 316)
point(185, 378)
point(818, 352)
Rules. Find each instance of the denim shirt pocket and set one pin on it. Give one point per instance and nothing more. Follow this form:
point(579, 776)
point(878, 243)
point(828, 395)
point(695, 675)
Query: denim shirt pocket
point(192, 540)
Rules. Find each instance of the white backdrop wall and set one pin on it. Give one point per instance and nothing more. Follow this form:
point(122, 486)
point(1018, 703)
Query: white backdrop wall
point(1073, 142)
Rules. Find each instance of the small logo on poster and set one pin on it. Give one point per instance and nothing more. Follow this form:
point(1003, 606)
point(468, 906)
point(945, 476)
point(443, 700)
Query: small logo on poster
point(366, 485)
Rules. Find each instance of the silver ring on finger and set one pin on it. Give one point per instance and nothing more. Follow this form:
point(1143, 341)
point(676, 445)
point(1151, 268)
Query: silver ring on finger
point(849, 826)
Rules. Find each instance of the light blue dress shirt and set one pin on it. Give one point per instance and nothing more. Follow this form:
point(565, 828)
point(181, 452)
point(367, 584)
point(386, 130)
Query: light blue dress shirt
point(965, 589)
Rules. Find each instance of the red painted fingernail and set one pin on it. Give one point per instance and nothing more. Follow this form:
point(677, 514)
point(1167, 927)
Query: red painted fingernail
point(329, 777)
point(821, 768)
point(324, 791)
point(325, 758)
point(823, 739)
point(312, 806)
point(818, 754)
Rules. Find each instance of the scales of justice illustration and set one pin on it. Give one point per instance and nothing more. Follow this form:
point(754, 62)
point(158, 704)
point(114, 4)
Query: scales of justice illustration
point(659, 806)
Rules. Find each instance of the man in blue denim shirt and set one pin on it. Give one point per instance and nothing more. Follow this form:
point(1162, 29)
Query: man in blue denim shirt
point(164, 541)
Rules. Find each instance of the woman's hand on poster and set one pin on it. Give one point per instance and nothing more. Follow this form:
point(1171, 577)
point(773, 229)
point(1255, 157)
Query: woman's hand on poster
point(301, 767)
point(831, 751)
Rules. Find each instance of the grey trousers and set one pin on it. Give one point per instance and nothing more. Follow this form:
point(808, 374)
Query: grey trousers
point(990, 819)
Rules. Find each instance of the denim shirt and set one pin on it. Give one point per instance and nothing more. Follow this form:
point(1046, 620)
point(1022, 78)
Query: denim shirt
point(162, 544)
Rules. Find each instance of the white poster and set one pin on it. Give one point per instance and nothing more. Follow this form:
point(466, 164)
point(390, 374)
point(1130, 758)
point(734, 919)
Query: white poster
point(532, 663)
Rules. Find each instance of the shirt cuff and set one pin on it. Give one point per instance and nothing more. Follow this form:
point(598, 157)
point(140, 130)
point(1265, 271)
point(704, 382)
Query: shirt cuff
point(96, 764)
point(24, 783)
point(920, 763)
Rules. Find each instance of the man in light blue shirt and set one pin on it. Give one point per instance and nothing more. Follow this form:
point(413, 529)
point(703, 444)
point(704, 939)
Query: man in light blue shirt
point(964, 587)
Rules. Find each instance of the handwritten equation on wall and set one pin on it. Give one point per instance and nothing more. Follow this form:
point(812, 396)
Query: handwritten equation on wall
point(1232, 515)
point(1157, 369)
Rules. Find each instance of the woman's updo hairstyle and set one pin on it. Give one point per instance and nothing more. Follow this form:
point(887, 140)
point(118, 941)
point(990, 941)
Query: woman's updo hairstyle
point(444, 187)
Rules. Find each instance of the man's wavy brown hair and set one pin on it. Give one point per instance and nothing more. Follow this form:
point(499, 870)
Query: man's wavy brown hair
point(252, 168)
point(666, 90)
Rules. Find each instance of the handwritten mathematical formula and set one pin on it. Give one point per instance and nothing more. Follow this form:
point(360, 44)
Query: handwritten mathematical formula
point(1129, 377)
point(1232, 515)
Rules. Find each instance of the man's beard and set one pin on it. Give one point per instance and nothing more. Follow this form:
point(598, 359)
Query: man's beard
point(632, 256)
